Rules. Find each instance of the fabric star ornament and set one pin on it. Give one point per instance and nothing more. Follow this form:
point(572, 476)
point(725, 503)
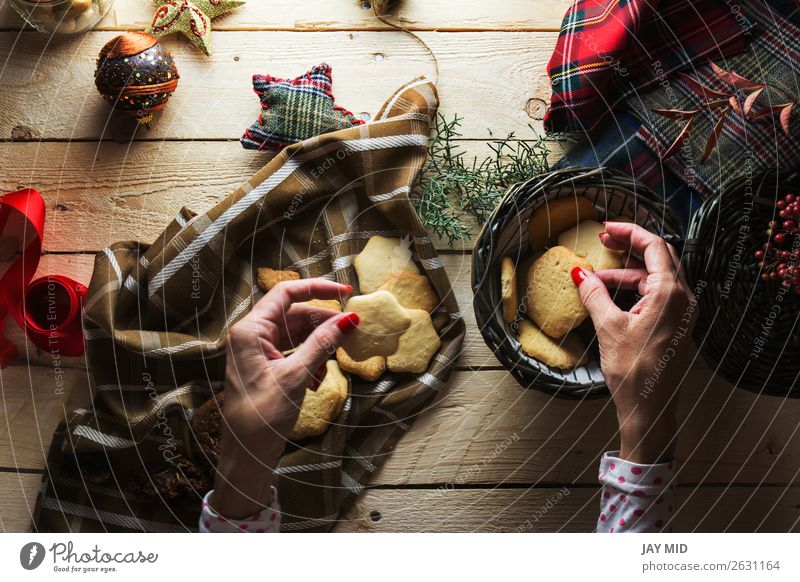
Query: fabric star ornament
point(295, 109)
point(192, 18)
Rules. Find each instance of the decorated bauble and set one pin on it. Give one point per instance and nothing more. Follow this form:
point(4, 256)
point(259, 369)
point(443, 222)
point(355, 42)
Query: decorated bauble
point(136, 75)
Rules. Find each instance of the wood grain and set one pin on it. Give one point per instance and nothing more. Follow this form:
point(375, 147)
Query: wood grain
point(318, 15)
point(458, 266)
point(108, 192)
point(17, 500)
point(486, 429)
point(34, 400)
point(488, 455)
point(47, 87)
point(549, 509)
point(710, 509)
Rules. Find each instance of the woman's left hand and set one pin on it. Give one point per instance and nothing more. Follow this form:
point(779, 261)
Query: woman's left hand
point(264, 389)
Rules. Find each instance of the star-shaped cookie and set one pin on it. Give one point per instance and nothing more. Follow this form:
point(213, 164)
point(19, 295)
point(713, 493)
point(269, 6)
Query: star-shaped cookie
point(295, 109)
point(192, 18)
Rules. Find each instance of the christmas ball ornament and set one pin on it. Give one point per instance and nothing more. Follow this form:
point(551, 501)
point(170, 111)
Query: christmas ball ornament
point(136, 75)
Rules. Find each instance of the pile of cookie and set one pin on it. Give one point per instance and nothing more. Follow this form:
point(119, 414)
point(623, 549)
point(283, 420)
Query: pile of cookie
point(397, 331)
point(538, 295)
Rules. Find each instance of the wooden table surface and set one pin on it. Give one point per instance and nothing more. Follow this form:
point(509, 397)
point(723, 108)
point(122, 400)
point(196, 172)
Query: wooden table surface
point(489, 456)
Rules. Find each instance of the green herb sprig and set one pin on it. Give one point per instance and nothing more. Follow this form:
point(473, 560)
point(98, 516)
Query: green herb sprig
point(451, 187)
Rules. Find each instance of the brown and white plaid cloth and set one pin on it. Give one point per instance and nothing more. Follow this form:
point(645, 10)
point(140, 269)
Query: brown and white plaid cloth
point(156, 318)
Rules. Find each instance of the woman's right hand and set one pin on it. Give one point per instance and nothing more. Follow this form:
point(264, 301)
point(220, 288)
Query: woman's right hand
point(644, 352)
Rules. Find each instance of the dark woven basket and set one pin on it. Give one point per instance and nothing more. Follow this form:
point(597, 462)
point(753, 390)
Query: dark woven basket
point(748, 330)
point(506, 234)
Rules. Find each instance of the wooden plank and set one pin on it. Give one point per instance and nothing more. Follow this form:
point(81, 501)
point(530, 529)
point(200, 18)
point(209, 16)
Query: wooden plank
point(317, 15)
point(17, 500)
point(486, 429)
point(47, 90)
point(572, 509)
point(107, 191)
point(34, 400)
point(79, 266)
point(709, 509)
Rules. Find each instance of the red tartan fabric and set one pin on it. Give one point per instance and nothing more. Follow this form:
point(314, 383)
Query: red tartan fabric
point(608, 50)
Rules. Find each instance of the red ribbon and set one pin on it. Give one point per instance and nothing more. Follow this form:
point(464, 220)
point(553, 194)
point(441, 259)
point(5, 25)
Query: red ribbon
point(49, 308)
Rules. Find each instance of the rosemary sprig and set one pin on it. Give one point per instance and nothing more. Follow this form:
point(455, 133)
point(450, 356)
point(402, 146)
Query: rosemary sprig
point(451, 187)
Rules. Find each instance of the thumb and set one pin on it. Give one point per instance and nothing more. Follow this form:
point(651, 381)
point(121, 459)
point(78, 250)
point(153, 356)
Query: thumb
point(594, 296)
point(321, 344)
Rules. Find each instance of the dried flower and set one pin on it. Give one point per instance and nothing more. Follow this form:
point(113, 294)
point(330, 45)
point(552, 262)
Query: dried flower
point(713, 100)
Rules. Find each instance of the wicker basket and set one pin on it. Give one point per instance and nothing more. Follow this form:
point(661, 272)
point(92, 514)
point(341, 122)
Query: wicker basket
point(506, 234)
point(748, 330)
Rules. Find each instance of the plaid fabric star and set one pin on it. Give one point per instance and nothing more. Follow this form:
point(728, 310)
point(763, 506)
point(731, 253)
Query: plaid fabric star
point(295, 109)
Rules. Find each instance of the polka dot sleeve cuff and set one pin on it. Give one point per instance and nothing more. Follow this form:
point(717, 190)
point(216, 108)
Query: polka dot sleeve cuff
point(268, 520)
point(635, 498)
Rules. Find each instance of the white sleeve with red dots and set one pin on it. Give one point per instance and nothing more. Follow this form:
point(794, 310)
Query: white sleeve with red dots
point(268, 520)
point(635, 498)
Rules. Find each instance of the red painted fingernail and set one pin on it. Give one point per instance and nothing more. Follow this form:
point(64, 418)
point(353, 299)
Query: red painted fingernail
point(600, 234)
point(349, 288)
point(578, 276)
point(348, 322)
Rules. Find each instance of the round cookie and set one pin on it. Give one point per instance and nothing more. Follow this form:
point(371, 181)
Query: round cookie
point(416, 346)
point(584, 240)
point(321, 406)
point(562, 354)
point(268, 278)
point(555, 216)
point(380, 257)
point(508, 289)
point(382, 321)
point(553, 301)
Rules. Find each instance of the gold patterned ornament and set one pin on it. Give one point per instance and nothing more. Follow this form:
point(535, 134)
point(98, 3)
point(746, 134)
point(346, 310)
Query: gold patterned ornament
point(192, 18)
